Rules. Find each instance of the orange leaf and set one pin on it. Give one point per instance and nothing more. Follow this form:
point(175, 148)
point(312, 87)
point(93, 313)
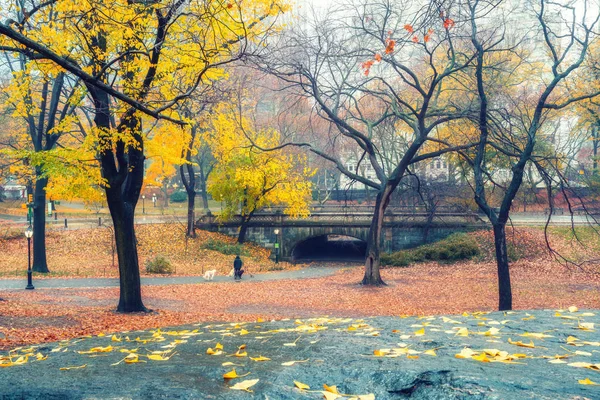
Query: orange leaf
point(389, 48)
point(408, 28)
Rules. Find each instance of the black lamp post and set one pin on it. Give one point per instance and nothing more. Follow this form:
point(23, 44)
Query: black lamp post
point(143, 204)
point(29, 235)
point(276, 246)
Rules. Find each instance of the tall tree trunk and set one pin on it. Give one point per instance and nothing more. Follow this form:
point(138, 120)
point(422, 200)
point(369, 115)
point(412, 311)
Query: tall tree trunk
point(203, 192)
point(123, 168)
point(504, 287)
point(595, 145)
point(372, 261)
point(243, 229)
point(191, 215)
point(189, 183)
point(122, 213)
point(39, 224)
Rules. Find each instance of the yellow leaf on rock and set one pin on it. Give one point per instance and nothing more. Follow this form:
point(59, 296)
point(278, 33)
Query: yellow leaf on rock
point(159, 357)
point(212, 352)
point(462, 332)
point(586, 326)
point(420, 332)
point(330, 396)
point(290, 363)
point(301, 386)
point(430, 352)
point(70, 368)
point(245, 385)
point(260, 358)
point(481, 357)
point(465, 353)
point(381, 352)
point(219, 346)
point(587, 381)
point(233, 374)
point(587, 365)
point(521, 344)
point(536, 335)
point(369, 396)
point(114, 338)
point(330, 389)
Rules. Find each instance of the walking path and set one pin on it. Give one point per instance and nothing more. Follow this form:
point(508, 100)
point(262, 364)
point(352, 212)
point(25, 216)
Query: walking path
point(52, 283)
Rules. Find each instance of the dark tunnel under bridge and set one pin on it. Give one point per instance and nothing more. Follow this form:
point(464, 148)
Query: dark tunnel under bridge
point(330, 248)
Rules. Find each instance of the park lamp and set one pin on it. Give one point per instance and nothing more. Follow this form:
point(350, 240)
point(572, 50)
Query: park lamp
point(276, 231)
point(29, 235)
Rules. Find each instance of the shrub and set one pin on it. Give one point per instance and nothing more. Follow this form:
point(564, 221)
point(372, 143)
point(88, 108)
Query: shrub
point(178, 197)
point(458, 246)
point(225, 248)
point(159, 265)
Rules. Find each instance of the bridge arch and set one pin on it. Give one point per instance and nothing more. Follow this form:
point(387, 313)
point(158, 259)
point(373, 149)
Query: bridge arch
point(329, 247)
point(297, 235)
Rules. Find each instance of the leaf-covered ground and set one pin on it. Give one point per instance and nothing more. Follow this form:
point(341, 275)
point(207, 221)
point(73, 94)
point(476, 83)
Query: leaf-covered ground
point(550, 354)
point(51, 314)
point(89, 252)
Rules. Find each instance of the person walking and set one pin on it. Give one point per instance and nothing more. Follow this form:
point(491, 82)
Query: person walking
point(237, 267)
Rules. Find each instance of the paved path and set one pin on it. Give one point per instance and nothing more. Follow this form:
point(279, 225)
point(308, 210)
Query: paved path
point(51, 283)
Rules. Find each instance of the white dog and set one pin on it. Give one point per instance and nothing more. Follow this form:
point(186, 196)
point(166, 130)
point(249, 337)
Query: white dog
point(209, 275)
point(231, 273)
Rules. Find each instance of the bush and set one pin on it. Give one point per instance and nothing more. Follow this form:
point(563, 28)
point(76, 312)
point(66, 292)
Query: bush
point(178, 197)
point(159, 265)
point(458, 246)
point(225, 248)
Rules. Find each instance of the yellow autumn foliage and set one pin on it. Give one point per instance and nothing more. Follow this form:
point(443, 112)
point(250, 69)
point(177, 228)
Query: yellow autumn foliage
point(247, 179)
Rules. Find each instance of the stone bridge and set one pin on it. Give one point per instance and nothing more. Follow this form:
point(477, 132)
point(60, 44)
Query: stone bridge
point(401, 229)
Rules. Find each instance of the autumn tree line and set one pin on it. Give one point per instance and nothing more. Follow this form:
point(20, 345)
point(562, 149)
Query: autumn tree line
point(100, 98)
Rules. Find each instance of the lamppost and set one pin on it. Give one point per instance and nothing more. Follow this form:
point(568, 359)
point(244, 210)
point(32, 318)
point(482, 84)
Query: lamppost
point(276, 246)
point(143, 204)
point(29, 235)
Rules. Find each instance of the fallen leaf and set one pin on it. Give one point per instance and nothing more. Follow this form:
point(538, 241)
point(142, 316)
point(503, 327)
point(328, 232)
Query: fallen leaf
point(245, 385)
point(70, 368)
point(301, 386)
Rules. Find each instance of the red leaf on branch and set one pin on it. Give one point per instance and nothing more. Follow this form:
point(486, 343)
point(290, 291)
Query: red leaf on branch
point(378, 57)
point(415, 39)
point(448, 23)
point(389, 48)
point(408, 28)
point(366, 66)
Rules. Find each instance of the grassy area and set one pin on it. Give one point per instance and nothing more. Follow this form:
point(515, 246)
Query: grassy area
point(458, 246)
point(90, 252)
point(524, 243)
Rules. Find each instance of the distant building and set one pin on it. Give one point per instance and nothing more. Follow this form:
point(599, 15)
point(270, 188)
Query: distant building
point(12, 190)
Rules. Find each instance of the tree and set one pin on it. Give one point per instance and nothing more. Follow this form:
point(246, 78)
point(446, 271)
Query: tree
point(247, 179)
point(511, 123)
point(135, 58)
point(46, 101)
point(370, 67)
